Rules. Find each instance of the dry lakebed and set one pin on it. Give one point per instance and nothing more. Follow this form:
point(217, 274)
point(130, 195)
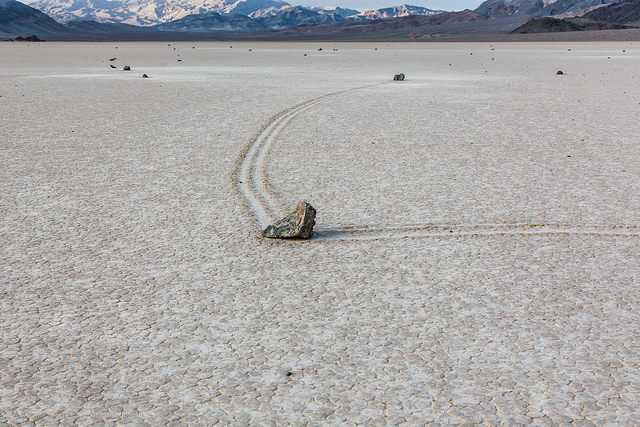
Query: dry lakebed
point(475, 257)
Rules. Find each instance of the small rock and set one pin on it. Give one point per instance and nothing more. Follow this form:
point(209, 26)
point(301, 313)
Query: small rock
point(559, 72)
point(144, 76)
point(398, 77)
point(112, 59)
point(112, 66)
point(319, 49)
point(297, 224)
point(126, 68)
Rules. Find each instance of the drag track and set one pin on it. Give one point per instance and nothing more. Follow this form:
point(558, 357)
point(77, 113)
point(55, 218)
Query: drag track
point(253, 187)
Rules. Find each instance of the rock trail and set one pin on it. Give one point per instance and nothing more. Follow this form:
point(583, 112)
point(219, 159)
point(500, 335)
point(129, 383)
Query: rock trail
point(253, 186)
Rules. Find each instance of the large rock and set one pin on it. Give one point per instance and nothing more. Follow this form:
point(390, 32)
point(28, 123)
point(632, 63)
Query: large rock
point(297, 224)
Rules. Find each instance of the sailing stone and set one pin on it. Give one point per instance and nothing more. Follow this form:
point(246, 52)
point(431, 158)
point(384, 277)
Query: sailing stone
point(297, 224)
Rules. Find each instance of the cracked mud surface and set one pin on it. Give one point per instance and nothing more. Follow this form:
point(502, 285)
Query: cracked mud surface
point(135, 289)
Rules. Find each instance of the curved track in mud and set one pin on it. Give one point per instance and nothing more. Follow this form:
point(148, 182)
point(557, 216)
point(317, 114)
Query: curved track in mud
point(252, 185)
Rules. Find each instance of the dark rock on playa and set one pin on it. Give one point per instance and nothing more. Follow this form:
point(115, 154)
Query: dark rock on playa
point(126, 68)
point(297, 224)
point(144, 76)
point(32, 38)
point(559, 72)
point(398, 77)
point(112, 66)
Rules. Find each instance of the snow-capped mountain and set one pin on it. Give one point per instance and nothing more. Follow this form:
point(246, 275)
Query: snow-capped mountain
point(279, 18)
point(330, 10)
point(211, 21)
point(335, 9)
point(393, 12)
point(291, 16)
point(273, 13)
point(146, 12)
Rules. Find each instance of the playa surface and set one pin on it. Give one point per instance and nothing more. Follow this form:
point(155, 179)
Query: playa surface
point(476, 258)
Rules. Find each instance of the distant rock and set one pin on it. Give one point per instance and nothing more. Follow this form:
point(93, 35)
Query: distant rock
point(126, 68)
point(560, 72)
point(300, 223)
point(32, 38)
point(398, 77)
point(415, 35)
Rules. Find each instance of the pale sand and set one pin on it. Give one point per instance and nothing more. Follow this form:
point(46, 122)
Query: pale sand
point(467, 270)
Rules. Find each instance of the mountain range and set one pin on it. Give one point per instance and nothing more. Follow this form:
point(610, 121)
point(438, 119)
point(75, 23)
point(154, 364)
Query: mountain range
point(153, 12)
point(147, 12)
point(275, 19)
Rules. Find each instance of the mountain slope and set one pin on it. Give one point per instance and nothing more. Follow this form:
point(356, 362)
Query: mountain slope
point(335, 9)
point(548, 24)
point(18, 19)
point(384, 28)
point(288, 16)
point(298, 15)
point(211, 21)
point(536, 8)
point(624, 12)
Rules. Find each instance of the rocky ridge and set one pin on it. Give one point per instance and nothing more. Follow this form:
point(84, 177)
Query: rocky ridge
point(537, 8)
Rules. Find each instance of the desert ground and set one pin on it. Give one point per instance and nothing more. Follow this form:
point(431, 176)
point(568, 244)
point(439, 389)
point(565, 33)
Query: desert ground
point(477, 246)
